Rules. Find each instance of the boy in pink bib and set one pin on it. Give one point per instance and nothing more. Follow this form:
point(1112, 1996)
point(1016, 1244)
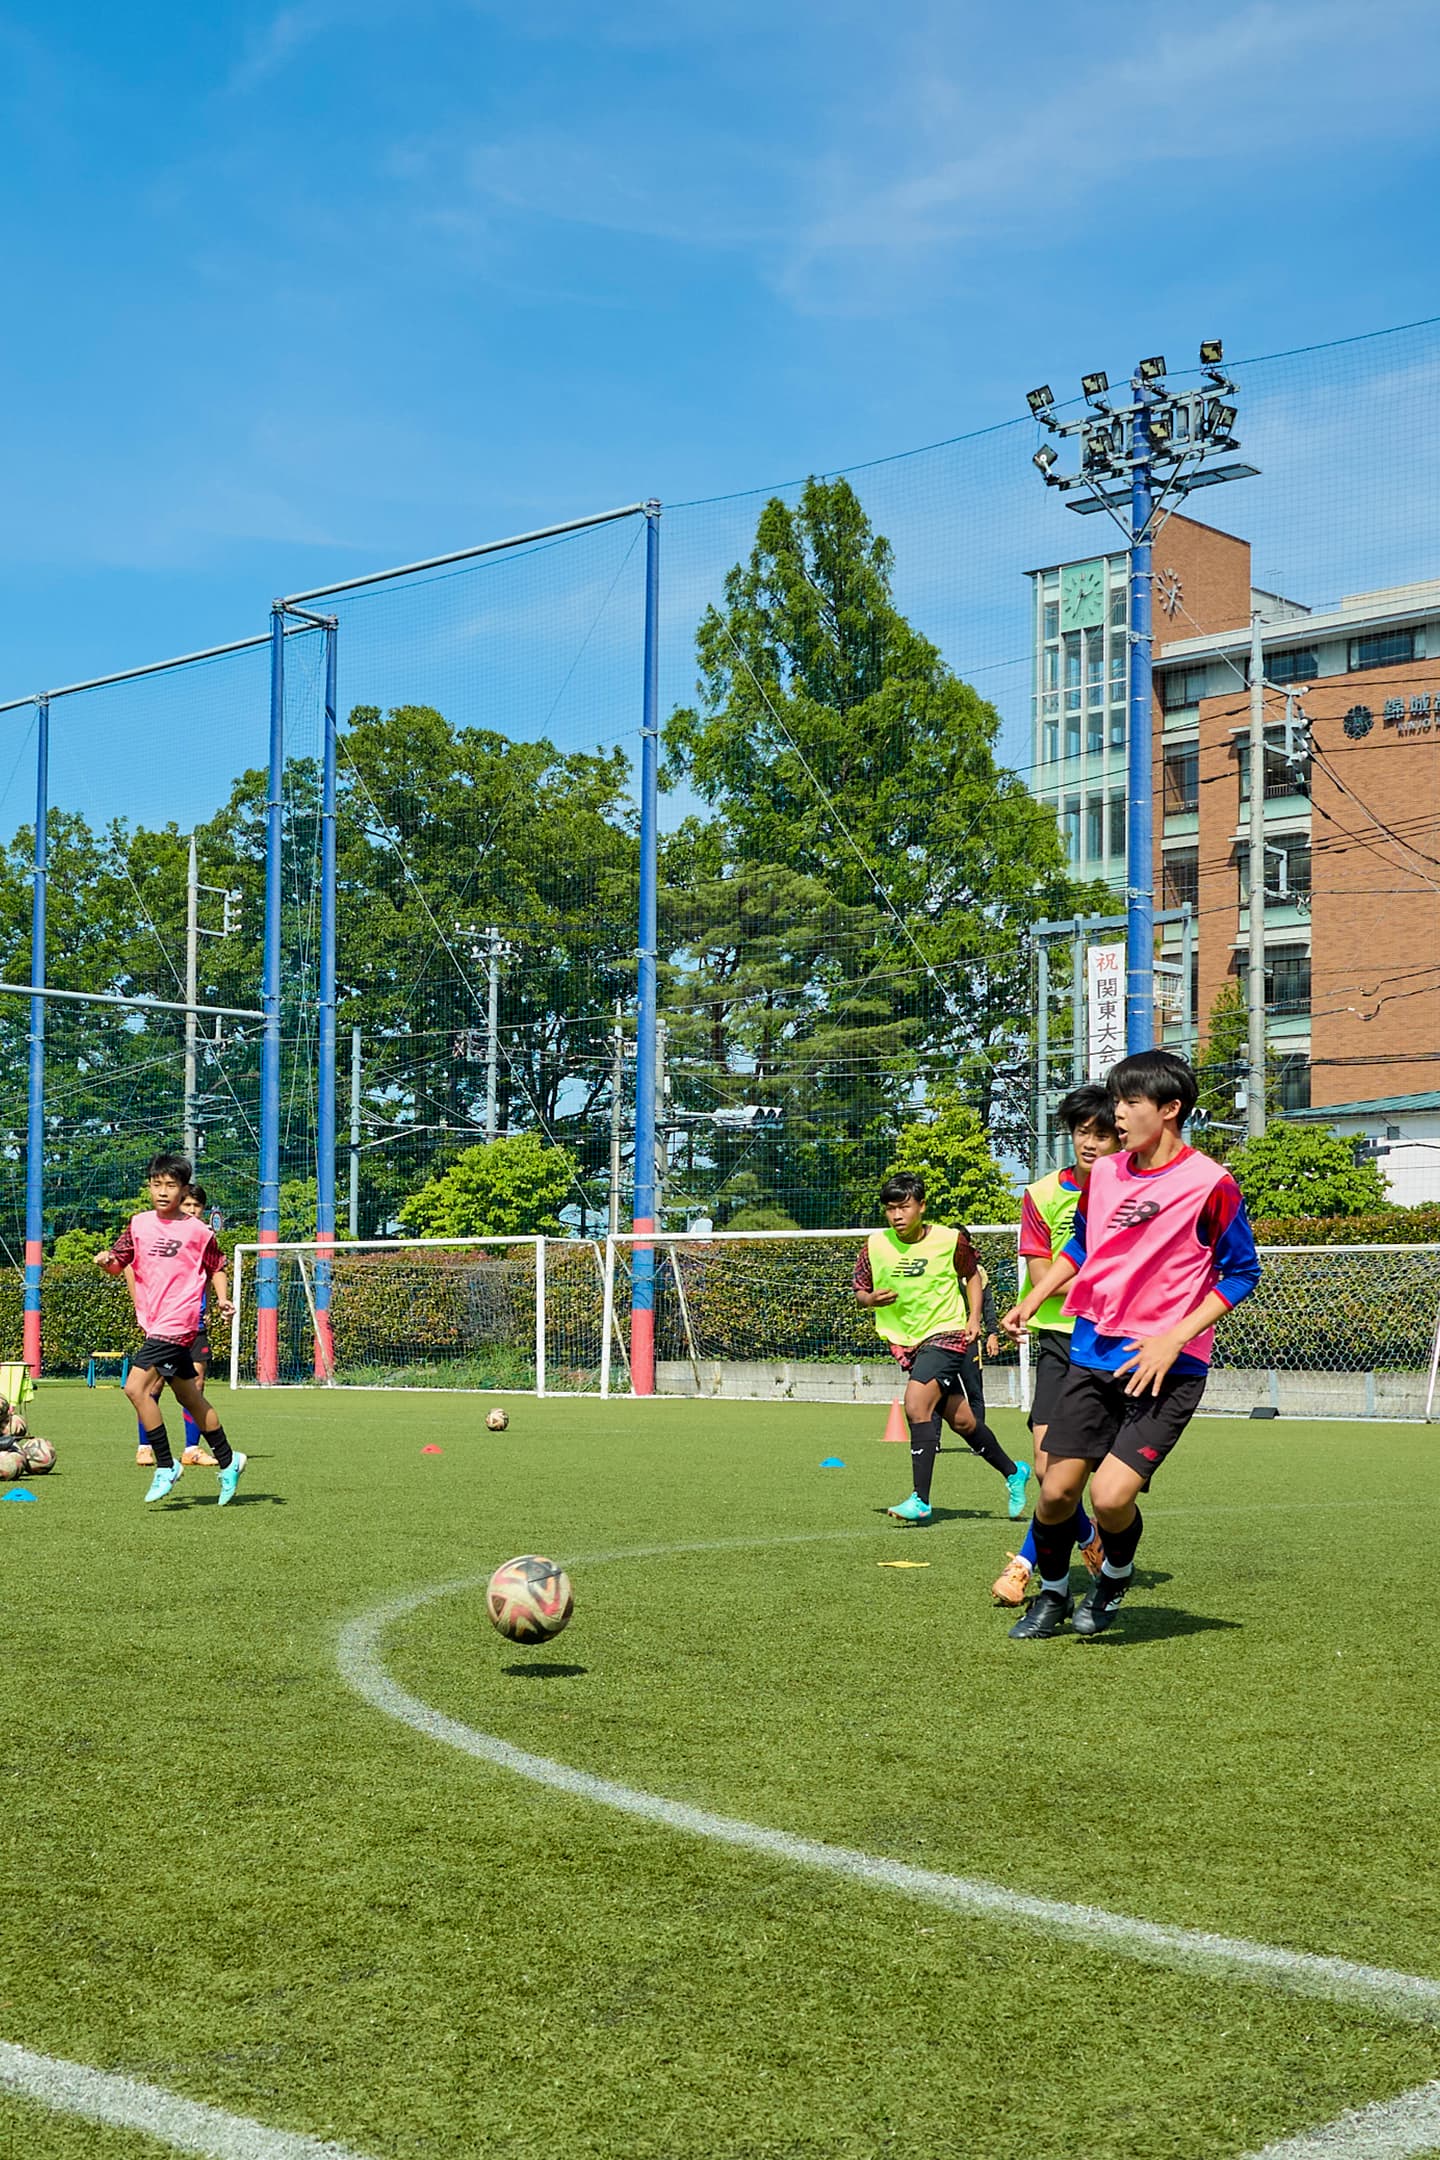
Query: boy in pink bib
point(1161, 1249)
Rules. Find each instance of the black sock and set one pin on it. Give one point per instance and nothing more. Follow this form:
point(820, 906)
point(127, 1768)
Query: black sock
point(219, 1446)
point(1120, 1545)
point(1054, 1543)
point(924, 1447)
point(982, 1442)
point(160, 1441)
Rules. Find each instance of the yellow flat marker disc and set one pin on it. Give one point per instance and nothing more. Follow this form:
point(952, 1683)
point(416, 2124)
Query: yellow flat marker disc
point(902, 1563)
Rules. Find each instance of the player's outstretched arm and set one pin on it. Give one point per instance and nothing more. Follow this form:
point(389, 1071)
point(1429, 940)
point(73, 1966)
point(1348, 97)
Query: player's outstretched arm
point(220, 1285)
point(109, 1264)
point(1060, 1271)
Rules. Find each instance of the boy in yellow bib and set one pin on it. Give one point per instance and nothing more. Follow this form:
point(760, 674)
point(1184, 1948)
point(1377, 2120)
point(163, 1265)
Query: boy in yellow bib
point(923, 1284)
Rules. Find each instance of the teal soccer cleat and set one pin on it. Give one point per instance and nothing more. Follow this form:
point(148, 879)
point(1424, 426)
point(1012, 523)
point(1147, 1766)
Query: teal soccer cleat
point(913, 1510)
point(1015, 1486)
point(163, 1482)
point(230, 1477)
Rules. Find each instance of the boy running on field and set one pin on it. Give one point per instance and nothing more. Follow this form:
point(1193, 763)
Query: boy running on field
point(174, 1257)
point(1046, 1219)
point(196, 1202)
point(910, 1276)
point(1161, 1249)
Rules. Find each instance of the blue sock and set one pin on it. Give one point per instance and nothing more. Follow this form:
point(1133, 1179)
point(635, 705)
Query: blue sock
point(140, 1428)
point(1027, 1550)
point(192, 1431)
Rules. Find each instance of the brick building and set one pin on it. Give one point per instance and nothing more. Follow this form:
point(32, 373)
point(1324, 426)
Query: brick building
point(1352, 910)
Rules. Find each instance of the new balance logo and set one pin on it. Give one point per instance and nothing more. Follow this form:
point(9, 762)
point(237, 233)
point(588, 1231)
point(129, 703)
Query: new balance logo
point(912, 1268)
point(1134, 1213)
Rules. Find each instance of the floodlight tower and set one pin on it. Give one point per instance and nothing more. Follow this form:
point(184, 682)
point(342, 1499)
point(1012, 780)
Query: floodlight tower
point(1135, 458)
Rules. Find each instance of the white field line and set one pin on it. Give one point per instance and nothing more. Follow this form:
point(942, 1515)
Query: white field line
point(124, 2103)
point(1389, 2130)
point(1401, 1995)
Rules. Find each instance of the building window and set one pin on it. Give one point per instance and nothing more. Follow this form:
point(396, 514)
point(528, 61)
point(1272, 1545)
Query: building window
point(1282, 776)
point(1119, 599)
point(1070, 827)
point(1095, 829)
point(1182, 780)
point(1072, 734)
point(1287, 871)
point(1293, 1081)
point(1072, 671)
point(1287, 977)
point(1117, 727)
point(1052, 619)
point(1383, 648)
point(1182, 877)
point(1052, 667)
point(1182, 687)
point(1117, 822)
point(1302, 665)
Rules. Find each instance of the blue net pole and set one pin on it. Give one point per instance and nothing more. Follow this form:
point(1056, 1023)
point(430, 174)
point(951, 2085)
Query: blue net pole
point(1140, 865)
point(642, 1279)
point(325, 1075)
point(267, 1320)
point(35, 1107)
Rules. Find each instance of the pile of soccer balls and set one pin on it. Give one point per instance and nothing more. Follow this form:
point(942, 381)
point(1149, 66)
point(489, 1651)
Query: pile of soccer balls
point(20, 1455)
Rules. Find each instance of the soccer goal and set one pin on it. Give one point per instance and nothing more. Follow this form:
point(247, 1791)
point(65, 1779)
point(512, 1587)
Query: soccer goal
point(520, 1315)
point(770, 1315)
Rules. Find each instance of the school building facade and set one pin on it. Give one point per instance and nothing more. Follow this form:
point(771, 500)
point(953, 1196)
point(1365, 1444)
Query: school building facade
point(1352, 809)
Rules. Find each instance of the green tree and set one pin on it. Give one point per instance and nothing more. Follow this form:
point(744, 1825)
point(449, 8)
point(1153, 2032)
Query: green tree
point(951, 1147)
point(835, 745)
point(1220, 1067)
point(513, 1187)
point(1305, 1170)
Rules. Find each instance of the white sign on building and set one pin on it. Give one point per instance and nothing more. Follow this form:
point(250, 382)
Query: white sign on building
point(1105, 1007)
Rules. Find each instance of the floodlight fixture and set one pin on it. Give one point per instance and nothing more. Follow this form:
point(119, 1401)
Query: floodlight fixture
point(1040, 400)
point(1095, 386)
point(1152, 370)
point(1045, 457)
point(1161, 425)
point(1212, 352)
point(1221, 418)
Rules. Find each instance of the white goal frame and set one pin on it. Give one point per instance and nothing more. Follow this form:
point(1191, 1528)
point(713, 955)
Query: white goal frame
point(341, 1246)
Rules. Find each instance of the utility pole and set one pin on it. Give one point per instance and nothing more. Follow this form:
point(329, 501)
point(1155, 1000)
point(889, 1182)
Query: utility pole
point(1255, 985)
point(1135, 457)
point(494, 947)
point(617, 1112)
point(354, 1132)
point(662, 1121)
point(192, 988)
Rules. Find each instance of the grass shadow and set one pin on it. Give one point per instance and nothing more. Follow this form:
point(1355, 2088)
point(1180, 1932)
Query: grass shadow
point(550, 1671)
point(1163, 1623)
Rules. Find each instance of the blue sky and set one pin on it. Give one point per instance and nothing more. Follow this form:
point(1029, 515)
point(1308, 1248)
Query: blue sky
point(294, 292)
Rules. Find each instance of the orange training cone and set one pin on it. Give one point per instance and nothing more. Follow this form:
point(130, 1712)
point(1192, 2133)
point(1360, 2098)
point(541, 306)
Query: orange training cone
point(896, 1428)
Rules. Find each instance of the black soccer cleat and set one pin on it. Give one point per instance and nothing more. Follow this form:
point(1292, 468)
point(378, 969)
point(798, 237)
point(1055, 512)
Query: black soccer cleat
point(1044, 1615)
point(1100, 1604)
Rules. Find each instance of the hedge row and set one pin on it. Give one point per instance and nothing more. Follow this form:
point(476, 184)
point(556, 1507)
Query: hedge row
point(1383, 1226)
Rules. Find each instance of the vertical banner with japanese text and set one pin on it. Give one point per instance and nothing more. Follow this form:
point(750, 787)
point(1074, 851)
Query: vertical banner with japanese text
point(1105, 1008)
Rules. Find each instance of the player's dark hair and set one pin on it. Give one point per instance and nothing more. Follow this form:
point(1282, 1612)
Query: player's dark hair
point(198, 1193)
point(167, 1165)
point(1089, 1104)
point(1157, 1076)
point(903, 1185)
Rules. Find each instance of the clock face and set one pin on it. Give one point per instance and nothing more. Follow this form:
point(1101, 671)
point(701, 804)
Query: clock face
point(1082, 596)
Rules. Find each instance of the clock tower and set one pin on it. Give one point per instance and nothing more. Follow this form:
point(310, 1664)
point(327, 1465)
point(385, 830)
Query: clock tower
point(1082, 596)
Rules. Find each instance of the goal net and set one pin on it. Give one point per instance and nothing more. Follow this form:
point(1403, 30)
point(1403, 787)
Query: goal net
point(519, 1315)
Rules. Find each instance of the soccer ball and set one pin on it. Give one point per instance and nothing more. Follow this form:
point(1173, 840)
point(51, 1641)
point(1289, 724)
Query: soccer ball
point(38, 1456)
point(529, 1600)
point(14, 1426)
point(497, 1420)
point(11, 1465)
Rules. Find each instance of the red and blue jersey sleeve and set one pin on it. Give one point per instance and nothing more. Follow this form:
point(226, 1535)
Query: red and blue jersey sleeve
point(1225, 1227)
point(864, 1276)
point(1034, 1231)
point(1075, 1246)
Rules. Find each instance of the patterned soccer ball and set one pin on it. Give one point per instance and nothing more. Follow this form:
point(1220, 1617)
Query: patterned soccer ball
point(529, 1600)
point(38, 1456)
point(11, 1465)
point(497, 1420)
point(14, 1427)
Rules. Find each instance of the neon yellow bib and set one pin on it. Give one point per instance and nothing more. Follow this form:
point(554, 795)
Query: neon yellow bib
point(929, 1296)
point(1057, 1204)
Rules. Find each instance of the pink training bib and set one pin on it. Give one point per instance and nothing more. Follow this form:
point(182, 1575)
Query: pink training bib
point(1145, 1264)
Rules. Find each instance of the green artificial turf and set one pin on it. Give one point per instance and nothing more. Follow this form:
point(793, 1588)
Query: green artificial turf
point(228, 1875)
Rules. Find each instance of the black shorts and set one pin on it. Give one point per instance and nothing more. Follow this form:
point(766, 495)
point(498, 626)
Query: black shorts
point(954, 1372)
point(1094, 1417)
point(172, 1360)
point(200, 1348)
point(1049, 1363)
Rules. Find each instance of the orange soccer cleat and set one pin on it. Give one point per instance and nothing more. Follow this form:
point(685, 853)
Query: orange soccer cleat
point(1008, 1588)
point(1093, 1554)
point(145, 1455)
